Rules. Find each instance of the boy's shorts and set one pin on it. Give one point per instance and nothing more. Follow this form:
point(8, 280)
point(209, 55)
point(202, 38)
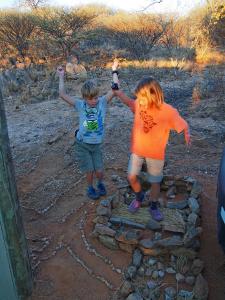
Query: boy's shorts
point(154, 167)
point(89, 156)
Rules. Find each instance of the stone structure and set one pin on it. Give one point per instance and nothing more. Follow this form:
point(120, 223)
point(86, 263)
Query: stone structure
point(165, 262)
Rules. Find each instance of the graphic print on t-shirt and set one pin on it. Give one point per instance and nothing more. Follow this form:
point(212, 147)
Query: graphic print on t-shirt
point(91, 122)
point(148, 121)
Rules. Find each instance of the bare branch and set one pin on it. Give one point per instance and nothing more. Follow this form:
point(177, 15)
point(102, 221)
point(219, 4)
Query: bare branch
point(150, 4)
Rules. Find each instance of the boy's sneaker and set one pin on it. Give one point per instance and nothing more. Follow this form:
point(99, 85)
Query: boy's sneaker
point(134, 206)
point(101, 189)
point(92, 193)
point(155, 212)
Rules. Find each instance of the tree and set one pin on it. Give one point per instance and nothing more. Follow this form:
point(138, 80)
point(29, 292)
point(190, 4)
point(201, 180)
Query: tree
point(16, 30)
point(33, 4)
point(65, 28)
point(137, 33)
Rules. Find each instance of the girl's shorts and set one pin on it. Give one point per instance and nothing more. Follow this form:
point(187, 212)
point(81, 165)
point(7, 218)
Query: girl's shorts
point(154, 167)
point(89, 156)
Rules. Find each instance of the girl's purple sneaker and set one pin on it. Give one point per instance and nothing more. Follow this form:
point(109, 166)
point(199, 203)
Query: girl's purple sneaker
point(156, 213)
point(134, 206)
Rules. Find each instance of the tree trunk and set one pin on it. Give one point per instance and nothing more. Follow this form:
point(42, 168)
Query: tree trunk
point(10, 214)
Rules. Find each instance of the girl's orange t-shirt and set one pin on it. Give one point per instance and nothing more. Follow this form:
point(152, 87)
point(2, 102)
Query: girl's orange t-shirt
point(152, 127)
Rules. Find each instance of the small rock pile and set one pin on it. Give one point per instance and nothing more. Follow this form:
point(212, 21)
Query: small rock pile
point(165, 262)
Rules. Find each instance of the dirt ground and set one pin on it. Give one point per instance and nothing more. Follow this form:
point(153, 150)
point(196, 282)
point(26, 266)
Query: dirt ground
point(68, 262)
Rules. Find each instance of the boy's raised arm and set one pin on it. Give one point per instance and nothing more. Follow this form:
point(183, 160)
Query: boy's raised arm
point(62, 92)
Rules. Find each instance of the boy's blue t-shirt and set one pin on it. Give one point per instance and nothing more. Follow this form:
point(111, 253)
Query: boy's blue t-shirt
point(91, 120)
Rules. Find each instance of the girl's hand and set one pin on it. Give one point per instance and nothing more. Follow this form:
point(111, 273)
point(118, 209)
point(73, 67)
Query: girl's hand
point(60, 71)
point(187, 138)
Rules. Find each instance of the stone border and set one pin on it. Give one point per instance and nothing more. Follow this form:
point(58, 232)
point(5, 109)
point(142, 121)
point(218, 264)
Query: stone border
point(157, 258)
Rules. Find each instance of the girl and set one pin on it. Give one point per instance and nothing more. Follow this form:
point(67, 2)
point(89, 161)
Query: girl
point(153, 120)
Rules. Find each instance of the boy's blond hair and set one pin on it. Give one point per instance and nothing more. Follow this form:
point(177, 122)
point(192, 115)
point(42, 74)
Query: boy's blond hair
point(148, 88)
point(89, 89)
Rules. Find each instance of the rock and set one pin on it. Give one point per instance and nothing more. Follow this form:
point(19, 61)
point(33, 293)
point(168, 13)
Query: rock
point(103, 211)
point(129, 237)
point(197, 266)
point(137, 258)
point(104, 230)
point(151, 261)
point(178, 204)
point(191, 234)
point(130, 272)
point(201, 289)
point(141, 271)
point(157, 236)
point(192, 219)
point(126, 247)
point(153, 252)
point(170, 270)
point(191, 254)
point(106, 203)
point(155, 274)
point(180, 277)
point(194, 205)
point(173, 221)
point(161, 273)
point(147, 243)
point(151, 284)
point(119, 220)
point(170, 293)
point(153, 225)
point(134, 296)
point(171, 192)
point(170, 242)
point(190, 280)
point(108, 242)
point(126, 288)
point(196, 190)
point(185, 295)
point(148, 272)
point(101, 220)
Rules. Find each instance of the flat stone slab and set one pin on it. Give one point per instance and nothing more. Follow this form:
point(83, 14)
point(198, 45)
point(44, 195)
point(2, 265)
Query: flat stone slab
point(173, 220)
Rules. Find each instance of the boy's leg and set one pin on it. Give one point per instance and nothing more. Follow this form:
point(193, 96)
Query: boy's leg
point(134, 168)
point(155, 171)
point(90, 177)
point(86, 165)
point(98, 166)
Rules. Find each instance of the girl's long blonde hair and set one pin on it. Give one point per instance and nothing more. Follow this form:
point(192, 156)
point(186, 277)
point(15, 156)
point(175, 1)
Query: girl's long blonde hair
point(150, 90)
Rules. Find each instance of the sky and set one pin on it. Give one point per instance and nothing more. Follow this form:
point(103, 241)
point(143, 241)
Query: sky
point(178, 6)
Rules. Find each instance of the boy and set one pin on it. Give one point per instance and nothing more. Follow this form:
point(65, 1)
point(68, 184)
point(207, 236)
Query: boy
point(89, 136)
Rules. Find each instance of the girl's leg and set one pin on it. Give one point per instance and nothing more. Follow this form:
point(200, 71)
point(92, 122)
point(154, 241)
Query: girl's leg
point(155, 171)
point(155, 191)
point(134, 183)
point(134, 168)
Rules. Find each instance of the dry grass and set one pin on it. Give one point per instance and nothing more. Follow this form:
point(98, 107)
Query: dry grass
point(155, 63)
point(209, 56)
